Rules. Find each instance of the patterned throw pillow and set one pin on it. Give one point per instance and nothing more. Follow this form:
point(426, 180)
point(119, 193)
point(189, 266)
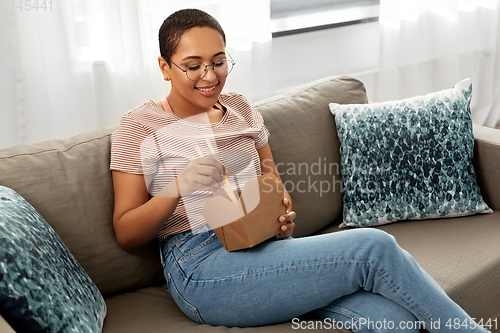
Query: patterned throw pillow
point(408, 159)
point(40, 276)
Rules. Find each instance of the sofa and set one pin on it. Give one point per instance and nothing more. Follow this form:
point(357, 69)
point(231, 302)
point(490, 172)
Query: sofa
point(69, 183)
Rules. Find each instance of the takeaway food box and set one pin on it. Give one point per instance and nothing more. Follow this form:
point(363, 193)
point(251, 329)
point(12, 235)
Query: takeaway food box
point(252, 219)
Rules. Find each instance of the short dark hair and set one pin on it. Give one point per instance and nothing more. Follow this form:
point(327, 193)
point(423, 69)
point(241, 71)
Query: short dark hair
point(178, 23)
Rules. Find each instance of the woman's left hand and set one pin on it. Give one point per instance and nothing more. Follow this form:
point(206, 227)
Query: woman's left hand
point(286, 220)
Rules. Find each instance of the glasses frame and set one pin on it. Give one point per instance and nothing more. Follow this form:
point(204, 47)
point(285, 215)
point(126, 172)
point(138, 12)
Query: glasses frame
point(206, 66)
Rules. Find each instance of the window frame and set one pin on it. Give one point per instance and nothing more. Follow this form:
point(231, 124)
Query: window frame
point(314, 15)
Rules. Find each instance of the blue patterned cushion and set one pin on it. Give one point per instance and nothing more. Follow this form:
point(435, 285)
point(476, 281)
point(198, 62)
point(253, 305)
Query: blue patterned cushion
point(408, 159)
point(40, 276)
point(14, 317)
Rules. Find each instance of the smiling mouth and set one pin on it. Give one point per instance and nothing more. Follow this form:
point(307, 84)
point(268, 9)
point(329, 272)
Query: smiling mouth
point(206, 89)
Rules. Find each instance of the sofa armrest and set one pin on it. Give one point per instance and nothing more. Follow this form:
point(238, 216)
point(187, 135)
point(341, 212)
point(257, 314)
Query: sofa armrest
point(487, 163)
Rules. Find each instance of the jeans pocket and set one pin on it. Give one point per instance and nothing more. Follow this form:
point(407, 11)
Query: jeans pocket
point(168, 244)
point(197, 243)
point(187, 308)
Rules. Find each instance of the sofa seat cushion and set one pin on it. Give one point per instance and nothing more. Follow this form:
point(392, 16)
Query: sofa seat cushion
point(462, 254)
point(153, 310)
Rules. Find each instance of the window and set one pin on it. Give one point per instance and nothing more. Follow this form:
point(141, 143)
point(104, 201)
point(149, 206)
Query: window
point(295, 16)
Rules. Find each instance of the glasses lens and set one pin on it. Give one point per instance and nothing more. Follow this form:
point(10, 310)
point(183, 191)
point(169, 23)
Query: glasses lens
point(195, 72)
point(223, 67)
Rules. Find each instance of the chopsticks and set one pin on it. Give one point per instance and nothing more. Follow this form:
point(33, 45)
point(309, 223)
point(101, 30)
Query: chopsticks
point(226, 186)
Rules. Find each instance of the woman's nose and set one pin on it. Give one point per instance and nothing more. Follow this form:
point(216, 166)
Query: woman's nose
point(210, 74)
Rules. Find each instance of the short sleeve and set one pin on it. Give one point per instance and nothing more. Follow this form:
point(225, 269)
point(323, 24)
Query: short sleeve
point(132, 149)
point(252, 117)
point(263, 133)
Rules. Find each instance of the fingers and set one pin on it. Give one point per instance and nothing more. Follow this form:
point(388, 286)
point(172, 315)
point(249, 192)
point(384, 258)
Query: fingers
point(287, 217)
point(286, 220)
point(210, 165)
point(210, 176)
point(210, 173)
point(287, 224)
point(203, 173)
point(286, 230)
point(205, 183)
point(287, 204)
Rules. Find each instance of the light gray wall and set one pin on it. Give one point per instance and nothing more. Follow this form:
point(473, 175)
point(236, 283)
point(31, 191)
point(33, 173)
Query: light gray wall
point(349, 50)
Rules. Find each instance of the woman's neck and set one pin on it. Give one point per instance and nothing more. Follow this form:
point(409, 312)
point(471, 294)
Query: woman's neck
point(185, 109)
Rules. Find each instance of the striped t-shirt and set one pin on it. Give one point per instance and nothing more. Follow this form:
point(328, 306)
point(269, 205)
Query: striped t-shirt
point(151, 141)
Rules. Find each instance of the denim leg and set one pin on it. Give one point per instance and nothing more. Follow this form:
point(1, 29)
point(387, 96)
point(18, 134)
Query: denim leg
point(277, 281)
point(367, 312)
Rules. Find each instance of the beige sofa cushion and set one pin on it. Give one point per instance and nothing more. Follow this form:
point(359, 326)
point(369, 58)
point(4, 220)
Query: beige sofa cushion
point(487, 163)
point(462, 254)
point(69, 183)
point(5, 327)
point(158, 313)
point(306, 147)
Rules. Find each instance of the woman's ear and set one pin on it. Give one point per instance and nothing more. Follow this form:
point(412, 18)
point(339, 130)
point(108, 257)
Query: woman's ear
point(164, 67)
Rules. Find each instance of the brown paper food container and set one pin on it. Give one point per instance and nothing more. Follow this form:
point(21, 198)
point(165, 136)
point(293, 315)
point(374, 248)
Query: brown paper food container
point(250, 221)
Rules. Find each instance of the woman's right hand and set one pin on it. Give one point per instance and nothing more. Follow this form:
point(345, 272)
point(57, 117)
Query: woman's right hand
point(202, 173)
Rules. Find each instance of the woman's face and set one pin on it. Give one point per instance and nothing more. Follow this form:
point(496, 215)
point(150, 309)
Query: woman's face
point(197, 45)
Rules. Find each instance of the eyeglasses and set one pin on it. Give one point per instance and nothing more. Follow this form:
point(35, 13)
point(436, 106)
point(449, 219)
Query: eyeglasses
point(198, 71)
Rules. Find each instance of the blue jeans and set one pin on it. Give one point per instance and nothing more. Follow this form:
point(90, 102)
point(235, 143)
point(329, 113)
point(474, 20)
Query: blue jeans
point(358, 278)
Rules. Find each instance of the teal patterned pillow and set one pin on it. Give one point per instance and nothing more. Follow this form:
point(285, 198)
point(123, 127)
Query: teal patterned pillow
point(408, 159)
point(40, 276)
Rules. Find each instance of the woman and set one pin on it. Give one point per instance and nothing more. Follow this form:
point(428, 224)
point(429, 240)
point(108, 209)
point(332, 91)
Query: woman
point(361, 279)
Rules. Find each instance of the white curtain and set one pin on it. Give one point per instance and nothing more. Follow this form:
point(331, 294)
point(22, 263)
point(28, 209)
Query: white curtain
point(79, 65)
point(430, 45)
